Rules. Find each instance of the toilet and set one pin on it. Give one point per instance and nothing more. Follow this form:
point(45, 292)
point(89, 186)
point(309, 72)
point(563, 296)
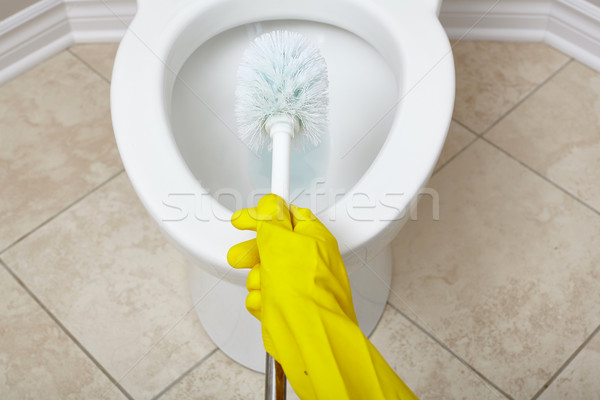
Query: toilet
point(391, 77)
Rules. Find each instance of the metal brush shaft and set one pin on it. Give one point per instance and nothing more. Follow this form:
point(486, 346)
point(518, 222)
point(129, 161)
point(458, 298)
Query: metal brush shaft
point(274, 380)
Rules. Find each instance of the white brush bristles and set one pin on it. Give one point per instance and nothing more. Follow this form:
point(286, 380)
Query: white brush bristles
point(282, 73)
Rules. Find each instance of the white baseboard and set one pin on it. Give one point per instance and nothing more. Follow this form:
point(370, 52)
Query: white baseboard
point(99, 21)
point(31, 36)
point(50, 26)
point(571, 26)
point(504, 20)
point(574, 29)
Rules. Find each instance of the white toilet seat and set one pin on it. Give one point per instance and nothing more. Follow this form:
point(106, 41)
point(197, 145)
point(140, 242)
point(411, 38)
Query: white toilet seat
point(406, 33)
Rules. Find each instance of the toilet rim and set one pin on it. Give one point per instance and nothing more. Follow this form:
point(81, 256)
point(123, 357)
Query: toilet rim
point(146, 63)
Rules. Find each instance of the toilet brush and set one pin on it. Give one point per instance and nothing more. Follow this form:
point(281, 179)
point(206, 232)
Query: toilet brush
point(281, 98)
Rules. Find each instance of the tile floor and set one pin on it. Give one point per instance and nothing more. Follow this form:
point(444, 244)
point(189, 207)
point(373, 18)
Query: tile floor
point(498, 299)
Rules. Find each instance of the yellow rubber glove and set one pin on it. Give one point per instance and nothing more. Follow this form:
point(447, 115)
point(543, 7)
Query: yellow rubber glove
point(299, 290)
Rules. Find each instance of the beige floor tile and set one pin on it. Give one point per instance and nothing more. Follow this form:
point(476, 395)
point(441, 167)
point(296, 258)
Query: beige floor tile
point(580, 379)
point(458, 138)
point(507, 277)
point(557, 132)
point(219, 378)
point(491, 77)
point(56, 144)
point(37, 359)
point(427, 368)
point(100, 56)
point(111, 278)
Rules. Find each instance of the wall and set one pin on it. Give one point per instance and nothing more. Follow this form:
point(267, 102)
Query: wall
point(571, 26)
point(10, 7)
point(46, 27)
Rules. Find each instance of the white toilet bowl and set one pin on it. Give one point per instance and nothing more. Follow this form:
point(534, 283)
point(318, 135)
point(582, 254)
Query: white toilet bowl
point(391, 97)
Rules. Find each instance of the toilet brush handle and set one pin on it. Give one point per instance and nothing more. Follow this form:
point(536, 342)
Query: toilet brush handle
point(280, 172)
point(281, 130)
point(274, 380)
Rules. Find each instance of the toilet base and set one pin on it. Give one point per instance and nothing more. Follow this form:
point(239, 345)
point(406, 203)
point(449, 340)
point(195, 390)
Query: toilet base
point(220, 307)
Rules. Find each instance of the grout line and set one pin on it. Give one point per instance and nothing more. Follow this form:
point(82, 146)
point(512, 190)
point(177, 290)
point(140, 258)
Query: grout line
point(510, 110)
point(60, 212)
point(66, 331)
point(481, 136)
point(502, 117)
point(193, 367)
point(177, 380)
point(535, 90)
point(455, 155)
point(566, 363)
point(422, 323)
point(556, 185)
point(466, 127)
point(445, 347)
point(88, 65)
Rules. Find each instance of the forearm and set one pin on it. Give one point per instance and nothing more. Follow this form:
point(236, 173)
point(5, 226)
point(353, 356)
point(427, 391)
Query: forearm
point(325, 356)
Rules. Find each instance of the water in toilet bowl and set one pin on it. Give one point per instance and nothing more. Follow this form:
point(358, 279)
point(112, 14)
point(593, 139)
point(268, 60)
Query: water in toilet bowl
point(307, 168)
point(363, 92)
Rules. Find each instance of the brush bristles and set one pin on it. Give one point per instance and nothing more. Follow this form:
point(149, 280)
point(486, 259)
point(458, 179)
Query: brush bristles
point(282, 73)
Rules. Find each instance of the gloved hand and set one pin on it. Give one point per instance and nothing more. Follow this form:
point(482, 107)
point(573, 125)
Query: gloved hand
point(299, 290)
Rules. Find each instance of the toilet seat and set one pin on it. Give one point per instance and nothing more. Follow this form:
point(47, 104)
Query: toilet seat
point(163, 35)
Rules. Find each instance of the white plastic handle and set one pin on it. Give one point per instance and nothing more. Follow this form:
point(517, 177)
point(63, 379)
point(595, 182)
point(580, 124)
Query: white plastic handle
point(281, 128)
